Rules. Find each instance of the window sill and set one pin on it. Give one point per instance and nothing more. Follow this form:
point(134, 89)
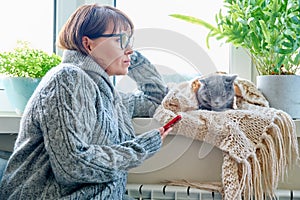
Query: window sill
point(9, 123)
point(9, 128)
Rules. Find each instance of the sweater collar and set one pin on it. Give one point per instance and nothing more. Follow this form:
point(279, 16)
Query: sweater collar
point(84, 62)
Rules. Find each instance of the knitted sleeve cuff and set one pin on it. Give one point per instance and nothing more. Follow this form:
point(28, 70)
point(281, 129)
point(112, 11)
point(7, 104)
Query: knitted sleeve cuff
point(137, 59)
point(150, 141)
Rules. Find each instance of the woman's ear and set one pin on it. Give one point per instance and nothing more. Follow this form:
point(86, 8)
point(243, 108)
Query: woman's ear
point(86, 41)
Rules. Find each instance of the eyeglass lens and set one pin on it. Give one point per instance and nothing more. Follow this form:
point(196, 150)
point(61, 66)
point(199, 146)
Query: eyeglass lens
point(126, 41)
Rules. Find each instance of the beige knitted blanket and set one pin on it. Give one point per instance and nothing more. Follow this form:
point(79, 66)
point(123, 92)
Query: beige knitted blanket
point(259, 143)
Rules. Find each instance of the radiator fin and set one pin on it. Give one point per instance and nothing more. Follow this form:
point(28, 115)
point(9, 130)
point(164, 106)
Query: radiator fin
point(167, 192)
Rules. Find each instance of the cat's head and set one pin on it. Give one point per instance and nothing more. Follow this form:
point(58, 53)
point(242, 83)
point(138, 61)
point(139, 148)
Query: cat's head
point(216, 92)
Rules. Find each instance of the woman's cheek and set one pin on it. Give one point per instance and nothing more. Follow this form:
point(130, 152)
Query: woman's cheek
point(106, 53)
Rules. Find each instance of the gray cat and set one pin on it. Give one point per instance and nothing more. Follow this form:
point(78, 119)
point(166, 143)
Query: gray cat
point(216, 92)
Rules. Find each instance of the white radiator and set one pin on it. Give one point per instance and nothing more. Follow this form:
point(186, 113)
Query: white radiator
point(155, 192)
point(166, 192)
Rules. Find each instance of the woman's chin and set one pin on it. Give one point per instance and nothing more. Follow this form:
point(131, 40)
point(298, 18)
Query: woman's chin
point(123, 72)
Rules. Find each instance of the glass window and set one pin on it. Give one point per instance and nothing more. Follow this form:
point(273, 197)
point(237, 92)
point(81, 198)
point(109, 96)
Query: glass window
point(33, 21)
point(30, 20)
point(175, 46)
point(153, 15)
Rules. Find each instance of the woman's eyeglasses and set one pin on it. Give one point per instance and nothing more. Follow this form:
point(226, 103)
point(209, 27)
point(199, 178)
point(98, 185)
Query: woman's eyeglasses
point(125, 40)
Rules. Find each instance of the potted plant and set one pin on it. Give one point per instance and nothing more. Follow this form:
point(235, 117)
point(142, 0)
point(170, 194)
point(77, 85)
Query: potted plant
point(22, 69)
point(268, 30)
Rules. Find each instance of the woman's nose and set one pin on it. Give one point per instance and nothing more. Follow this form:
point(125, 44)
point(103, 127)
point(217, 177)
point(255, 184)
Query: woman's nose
point(128, 51)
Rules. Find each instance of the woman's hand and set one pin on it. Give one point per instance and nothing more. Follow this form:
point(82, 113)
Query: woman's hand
point(164, 133)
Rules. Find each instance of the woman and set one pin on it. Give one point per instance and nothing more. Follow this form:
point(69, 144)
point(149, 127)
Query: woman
point(76, 140)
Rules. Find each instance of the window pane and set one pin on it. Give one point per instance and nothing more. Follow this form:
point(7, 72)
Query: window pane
point(30, 20)
point(158, 34)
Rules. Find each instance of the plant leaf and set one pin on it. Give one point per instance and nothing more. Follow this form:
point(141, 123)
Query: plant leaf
point(194, 20)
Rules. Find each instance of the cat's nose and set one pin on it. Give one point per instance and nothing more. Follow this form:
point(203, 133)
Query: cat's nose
point(216, 103)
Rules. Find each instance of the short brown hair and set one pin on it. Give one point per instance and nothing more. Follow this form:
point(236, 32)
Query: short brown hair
point(91, 20)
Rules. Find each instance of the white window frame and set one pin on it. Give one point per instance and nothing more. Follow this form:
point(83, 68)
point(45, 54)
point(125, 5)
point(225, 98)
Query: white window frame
point(240, 63)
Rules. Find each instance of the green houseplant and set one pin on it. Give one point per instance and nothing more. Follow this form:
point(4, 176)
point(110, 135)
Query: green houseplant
point(22, 69)
point(268, 30)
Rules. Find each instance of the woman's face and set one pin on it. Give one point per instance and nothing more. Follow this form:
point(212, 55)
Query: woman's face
point(107, 52)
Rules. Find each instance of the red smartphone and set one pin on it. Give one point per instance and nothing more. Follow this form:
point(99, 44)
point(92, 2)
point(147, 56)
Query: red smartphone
point(172, 122)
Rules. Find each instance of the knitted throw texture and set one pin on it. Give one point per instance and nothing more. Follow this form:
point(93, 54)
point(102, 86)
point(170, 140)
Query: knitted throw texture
point(259, 143)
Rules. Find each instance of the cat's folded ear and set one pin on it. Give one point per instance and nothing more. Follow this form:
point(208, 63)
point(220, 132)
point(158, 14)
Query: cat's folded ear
point(230, 78)
point(234, 76)
point(237, 90)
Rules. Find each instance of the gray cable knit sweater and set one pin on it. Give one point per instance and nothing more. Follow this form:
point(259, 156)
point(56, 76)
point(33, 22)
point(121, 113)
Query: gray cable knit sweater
point(76, 140)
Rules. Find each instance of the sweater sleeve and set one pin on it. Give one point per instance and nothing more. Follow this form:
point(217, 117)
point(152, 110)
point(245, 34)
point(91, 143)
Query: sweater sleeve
point(68, 121)
point(151, 87)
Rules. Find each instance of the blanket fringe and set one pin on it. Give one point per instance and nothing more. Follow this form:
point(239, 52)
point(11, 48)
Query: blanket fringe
point(275, 154)
point(257, 189)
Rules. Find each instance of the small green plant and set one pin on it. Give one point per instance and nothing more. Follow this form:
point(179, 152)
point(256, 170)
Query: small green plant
point(24, 61)
point(267, 29)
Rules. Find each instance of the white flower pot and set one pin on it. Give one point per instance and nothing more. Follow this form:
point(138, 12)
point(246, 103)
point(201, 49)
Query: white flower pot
point(282, 92)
